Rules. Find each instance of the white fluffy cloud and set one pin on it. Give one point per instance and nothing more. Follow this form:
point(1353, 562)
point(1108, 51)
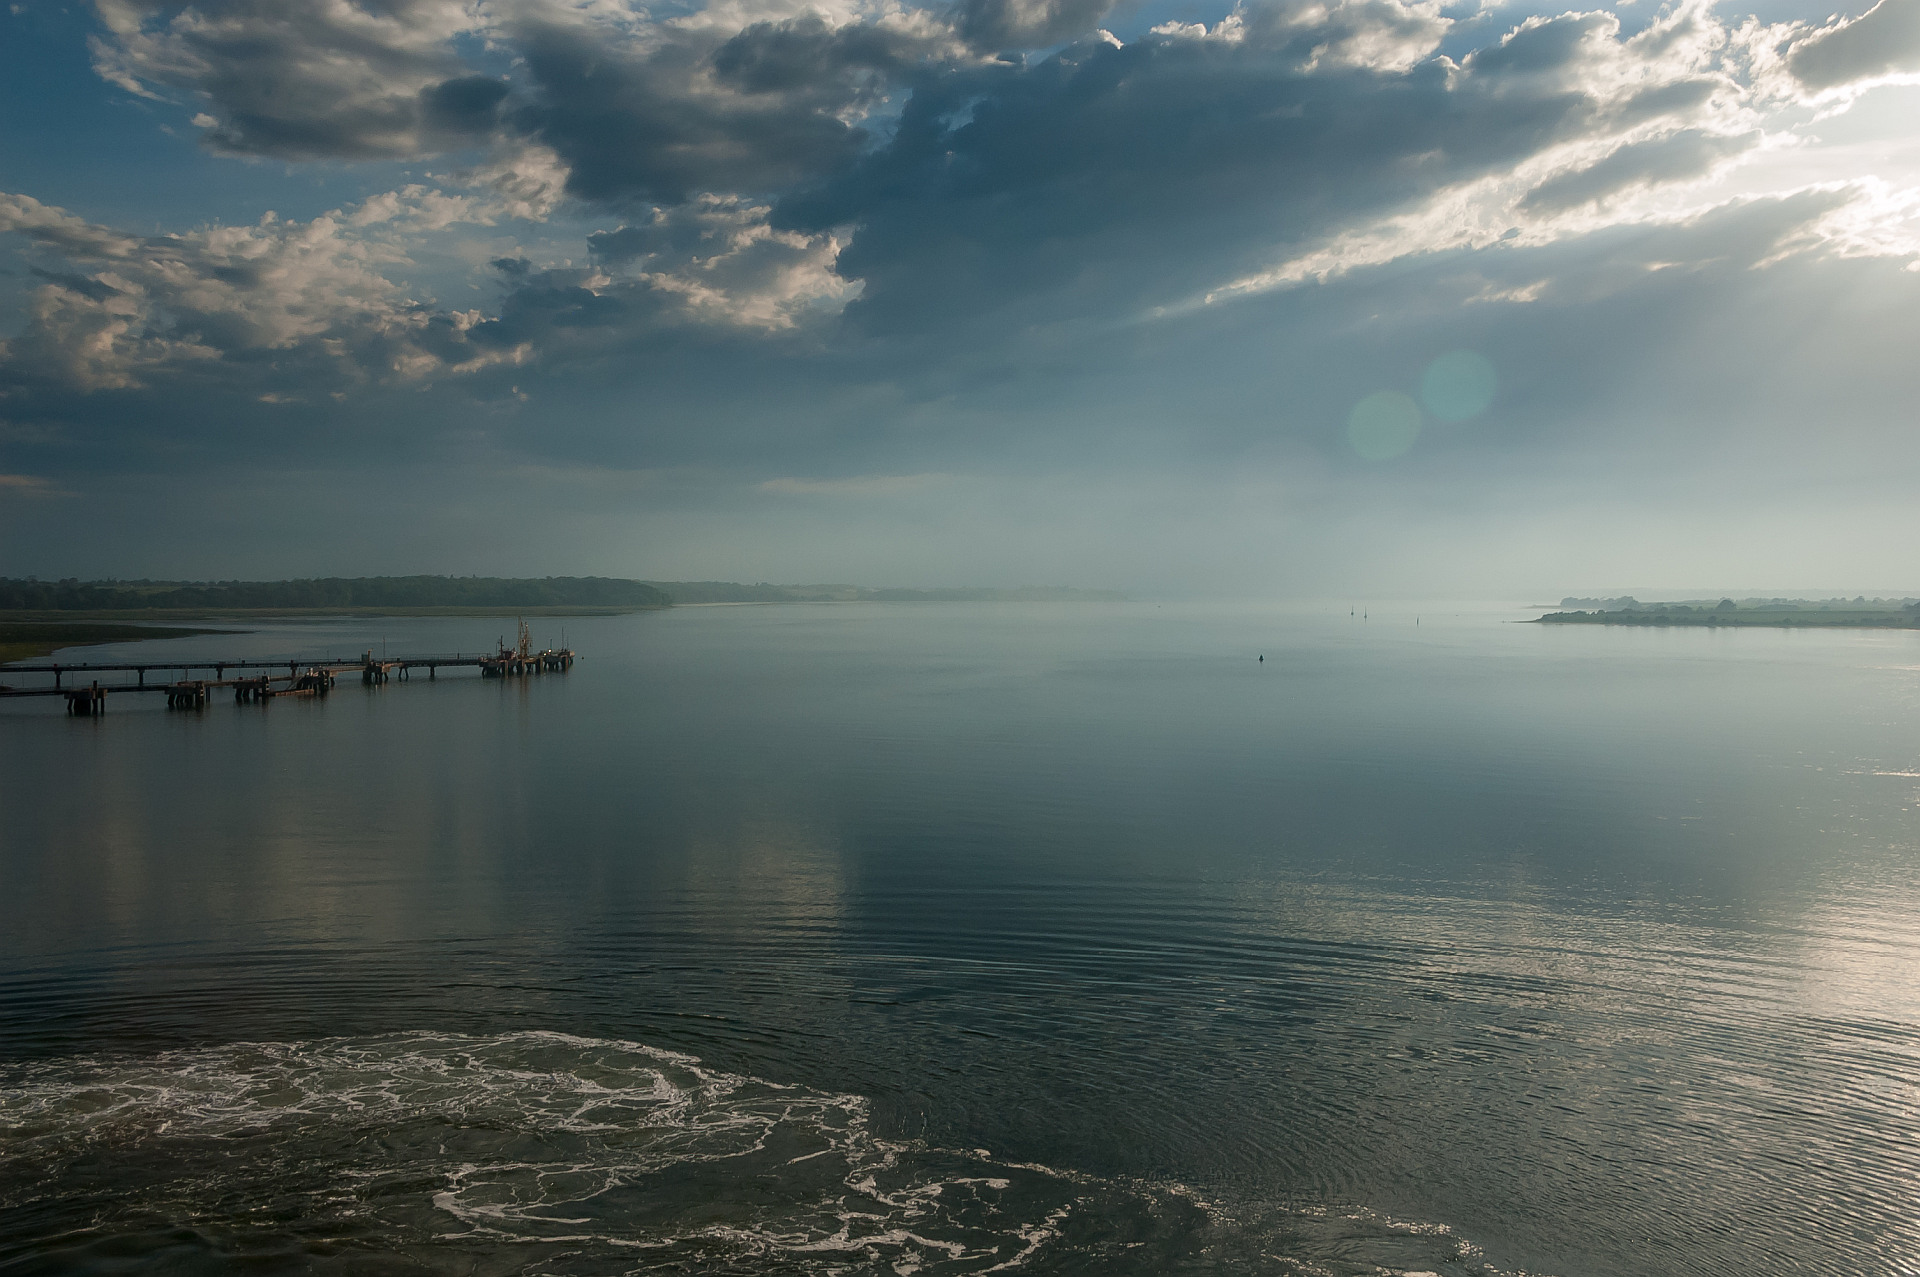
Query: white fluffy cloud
point(721, 261)
point(122, 309)
point(313, 307)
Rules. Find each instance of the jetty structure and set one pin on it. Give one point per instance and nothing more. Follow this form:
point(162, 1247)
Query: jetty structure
point(303, 677)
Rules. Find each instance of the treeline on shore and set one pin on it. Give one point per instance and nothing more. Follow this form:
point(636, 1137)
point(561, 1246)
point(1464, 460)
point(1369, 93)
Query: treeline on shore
point(73, 595)
point(388, 593)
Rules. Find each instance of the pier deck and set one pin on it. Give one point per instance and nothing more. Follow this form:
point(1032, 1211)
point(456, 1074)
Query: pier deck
point(302, 677)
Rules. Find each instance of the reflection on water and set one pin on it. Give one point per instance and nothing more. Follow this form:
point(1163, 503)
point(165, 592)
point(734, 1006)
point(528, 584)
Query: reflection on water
point(1593, 948)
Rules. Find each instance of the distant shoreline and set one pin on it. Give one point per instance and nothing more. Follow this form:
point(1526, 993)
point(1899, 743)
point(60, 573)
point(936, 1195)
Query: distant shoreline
point(1776, 620)
point(29, 632)
point(70, 599)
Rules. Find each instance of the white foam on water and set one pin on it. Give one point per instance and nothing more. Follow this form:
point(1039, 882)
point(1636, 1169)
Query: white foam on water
point(562, 1154)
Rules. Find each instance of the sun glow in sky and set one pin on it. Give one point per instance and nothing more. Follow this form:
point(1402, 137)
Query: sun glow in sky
point(1262, 297)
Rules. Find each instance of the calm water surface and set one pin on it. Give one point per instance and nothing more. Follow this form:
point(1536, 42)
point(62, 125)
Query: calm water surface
point(952, 938)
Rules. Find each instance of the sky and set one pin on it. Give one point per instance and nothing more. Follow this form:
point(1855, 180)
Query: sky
point(1278, 298)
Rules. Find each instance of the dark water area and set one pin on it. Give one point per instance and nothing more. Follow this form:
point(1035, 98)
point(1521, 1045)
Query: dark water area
point(890, 938)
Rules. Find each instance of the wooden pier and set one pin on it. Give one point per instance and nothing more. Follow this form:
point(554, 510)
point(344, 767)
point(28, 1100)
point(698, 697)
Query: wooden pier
point(301, 677)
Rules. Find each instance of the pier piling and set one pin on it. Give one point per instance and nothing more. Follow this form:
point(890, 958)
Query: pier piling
point(300, 678)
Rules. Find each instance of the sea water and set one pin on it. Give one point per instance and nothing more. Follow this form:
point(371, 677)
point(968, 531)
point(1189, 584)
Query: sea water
point(952, 938)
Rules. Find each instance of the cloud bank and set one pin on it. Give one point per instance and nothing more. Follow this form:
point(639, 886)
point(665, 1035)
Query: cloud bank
point(762, 238)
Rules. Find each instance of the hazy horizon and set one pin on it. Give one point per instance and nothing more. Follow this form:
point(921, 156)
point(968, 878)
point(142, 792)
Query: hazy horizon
point(1545, 598)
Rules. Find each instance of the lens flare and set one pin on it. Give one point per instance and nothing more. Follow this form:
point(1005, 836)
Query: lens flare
point(1383, 425)
point(1458, 385)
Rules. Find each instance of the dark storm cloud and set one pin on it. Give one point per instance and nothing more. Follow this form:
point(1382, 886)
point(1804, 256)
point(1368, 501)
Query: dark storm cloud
point(547, 305)
point(266, 119)
point(830, 66)
point(1884, 39)
point(630, 129)
point(656, 113)
point(756, 112)
point(302, 81)
point(466, 106)
point(91, 289)
point(1676, 157)
point(1288, 102)
point(1118, 176)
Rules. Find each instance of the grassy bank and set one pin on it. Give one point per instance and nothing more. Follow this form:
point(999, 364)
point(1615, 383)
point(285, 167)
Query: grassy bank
point(26, 640)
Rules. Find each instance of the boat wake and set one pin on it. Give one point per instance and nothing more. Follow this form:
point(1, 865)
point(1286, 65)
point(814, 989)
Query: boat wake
point(547, 1154)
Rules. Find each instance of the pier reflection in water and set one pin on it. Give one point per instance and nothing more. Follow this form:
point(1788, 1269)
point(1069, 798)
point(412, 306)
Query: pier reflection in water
point(1592, 951)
